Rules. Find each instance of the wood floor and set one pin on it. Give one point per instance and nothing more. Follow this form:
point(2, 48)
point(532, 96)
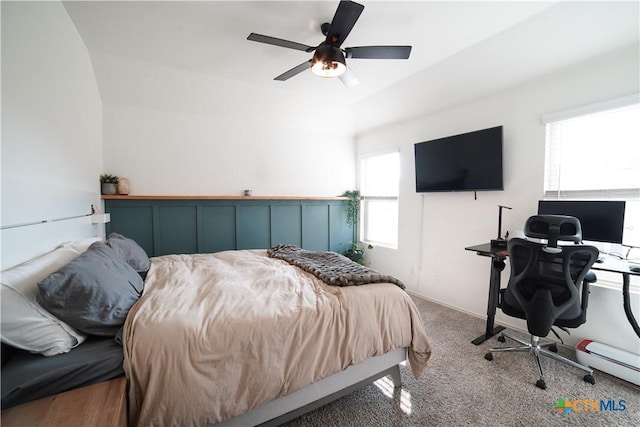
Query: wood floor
point(98, 405)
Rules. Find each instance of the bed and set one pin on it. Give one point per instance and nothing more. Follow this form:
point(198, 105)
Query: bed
point(41, 354)
point(244, 338)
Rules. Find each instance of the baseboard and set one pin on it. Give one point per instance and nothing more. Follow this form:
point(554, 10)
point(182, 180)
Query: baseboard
point(453, 307)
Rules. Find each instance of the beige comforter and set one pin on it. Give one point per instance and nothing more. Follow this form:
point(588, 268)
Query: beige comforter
point(215, 335)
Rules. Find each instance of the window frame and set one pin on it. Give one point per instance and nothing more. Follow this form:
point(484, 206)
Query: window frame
point(366, 198)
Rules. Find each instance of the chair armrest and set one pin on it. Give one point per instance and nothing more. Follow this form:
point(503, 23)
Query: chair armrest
point(590, 277)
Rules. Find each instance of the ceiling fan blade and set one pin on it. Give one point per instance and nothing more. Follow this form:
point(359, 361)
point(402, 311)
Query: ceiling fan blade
point(343, 21)
point(378, 52)
point(348, 78)
point(279, 42)
point(295, 70)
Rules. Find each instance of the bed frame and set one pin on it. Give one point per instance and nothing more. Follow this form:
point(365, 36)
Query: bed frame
point(320, 393)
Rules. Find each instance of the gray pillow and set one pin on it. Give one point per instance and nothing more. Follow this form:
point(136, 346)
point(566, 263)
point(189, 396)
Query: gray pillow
point(130, 251)
point(92, 293)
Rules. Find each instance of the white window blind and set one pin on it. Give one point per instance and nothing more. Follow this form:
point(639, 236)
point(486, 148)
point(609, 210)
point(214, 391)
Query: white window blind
point(380, 182)
point(594, 156)
point(593, 153)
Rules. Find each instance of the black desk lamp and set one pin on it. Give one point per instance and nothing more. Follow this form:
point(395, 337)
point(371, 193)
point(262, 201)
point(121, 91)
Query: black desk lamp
point(500, 242)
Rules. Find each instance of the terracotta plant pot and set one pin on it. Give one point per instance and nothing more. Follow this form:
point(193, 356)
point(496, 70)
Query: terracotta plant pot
point(123, 186)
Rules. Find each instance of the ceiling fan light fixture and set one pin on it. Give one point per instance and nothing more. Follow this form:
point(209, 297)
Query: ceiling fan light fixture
point(328, 61)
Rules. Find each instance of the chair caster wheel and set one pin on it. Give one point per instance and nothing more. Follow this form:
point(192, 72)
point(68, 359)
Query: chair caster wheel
point(541, 384)
point(589, 379)
point(489, 357)
point(501, 338)
point(553, 348)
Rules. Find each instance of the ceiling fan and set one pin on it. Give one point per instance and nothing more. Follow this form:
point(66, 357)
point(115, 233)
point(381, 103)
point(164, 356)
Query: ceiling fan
point(329, 58)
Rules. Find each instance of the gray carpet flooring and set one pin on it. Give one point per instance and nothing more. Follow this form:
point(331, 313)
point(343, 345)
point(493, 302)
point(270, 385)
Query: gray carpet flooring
point(461, 388)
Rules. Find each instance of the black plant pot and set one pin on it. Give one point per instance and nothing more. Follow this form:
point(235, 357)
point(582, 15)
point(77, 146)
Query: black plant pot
point(354, 255)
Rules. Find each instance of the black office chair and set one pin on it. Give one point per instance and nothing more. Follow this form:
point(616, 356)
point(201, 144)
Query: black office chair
point(547, 286)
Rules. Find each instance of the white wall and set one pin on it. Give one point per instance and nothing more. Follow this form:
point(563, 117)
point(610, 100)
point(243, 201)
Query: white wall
point(51, 129)
point(175, 153)
point(204, 135)
point(435, 228)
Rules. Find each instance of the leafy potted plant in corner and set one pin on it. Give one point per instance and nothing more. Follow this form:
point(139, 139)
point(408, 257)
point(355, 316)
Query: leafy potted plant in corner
point(109, 183)
point(355, 249)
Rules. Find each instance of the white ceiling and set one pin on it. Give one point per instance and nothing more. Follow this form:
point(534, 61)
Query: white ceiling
point(209, 37)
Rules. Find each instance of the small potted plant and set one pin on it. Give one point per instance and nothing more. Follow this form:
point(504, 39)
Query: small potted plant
point(109, 183)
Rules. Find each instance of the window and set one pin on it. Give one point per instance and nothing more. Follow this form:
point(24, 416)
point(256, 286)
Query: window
point(593, 153)
point(379, 183)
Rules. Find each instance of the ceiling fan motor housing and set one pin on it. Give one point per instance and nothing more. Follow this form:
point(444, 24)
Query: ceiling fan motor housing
point(325, 28)
point(328, 61)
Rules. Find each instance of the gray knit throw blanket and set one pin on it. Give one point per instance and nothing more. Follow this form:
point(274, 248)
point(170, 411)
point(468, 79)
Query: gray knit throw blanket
point(330, 267)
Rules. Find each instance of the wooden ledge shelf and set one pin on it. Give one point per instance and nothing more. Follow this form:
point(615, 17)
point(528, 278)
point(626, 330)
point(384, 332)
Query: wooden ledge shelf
point(148, 197)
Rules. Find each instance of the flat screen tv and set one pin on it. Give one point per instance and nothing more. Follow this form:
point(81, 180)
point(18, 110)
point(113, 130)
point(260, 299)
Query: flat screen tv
point(466, 162)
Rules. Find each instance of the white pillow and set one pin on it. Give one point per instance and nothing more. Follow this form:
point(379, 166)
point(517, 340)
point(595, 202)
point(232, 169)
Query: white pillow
point(26, 324)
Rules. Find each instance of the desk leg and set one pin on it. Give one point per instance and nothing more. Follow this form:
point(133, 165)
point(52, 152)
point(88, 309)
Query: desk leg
point(497, 265)
point(627, 304)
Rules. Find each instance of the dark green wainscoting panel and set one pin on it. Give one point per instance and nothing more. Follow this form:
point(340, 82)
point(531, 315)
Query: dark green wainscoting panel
point(252, 227)
point(134, 221)
point(183, 225)
point(178, 231)
point(315, 227)
point(286, 224)
point(217, 228)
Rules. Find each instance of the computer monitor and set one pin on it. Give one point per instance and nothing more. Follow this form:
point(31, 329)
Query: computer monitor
point(601, 220)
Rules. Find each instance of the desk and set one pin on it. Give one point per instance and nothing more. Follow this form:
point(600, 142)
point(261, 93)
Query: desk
point(498, 257)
